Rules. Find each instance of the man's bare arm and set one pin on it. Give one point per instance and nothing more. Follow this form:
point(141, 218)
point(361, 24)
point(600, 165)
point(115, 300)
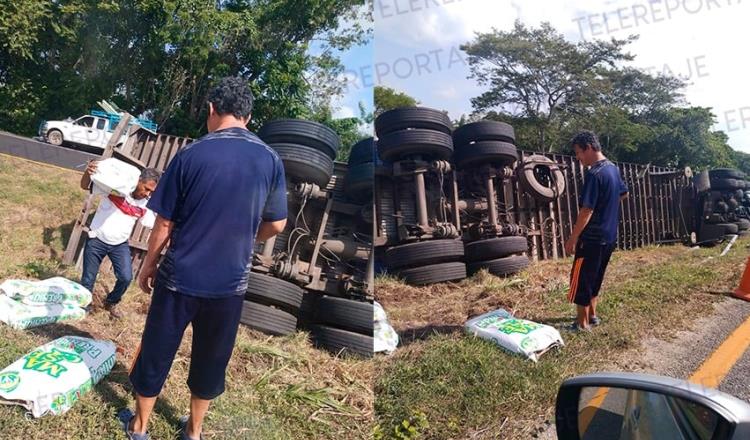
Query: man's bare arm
point(267, 230)
point(86, 178)
point(158, 239)
point(584, 215)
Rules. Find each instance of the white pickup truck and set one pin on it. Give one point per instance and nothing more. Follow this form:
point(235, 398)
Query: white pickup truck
point(93, 130)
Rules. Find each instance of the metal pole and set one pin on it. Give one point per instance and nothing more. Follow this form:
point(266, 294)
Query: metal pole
point(491, 200)
point(268, 247)
point(456, 213)
point(421, 199)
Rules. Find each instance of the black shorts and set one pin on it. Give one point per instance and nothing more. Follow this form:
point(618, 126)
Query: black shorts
point(215, 323)
point(588, 271)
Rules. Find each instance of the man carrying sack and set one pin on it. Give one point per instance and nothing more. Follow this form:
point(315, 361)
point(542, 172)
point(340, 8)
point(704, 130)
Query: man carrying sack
point(110, 230)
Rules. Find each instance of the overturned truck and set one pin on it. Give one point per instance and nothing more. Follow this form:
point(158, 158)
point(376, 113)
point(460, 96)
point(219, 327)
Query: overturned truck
point(449, 203)
point(315, 275)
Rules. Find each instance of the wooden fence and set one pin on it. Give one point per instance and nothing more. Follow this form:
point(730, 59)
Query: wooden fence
point(144, 149)
point(656, 210)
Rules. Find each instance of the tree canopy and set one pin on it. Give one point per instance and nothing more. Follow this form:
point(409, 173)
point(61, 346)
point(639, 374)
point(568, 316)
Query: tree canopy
point(158, 58)
point(549, 88)
point(386, 98)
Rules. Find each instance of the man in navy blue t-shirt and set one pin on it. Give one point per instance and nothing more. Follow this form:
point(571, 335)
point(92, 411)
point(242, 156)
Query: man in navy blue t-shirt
point(595, 232)
point(216, 196)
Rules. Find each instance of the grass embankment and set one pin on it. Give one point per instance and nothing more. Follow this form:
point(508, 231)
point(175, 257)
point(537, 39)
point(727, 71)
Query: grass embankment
point(446, 384)
point(277, 388)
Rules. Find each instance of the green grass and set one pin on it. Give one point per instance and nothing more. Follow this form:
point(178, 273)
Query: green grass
point(277, 388)
point(466, 387)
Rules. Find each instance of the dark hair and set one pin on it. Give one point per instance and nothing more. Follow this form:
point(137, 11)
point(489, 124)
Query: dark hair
point(150, 174)
point(584, 139)
point(232, 96)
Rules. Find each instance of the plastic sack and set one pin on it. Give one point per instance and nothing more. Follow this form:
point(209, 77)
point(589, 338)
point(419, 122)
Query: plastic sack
point(519, 336)
point(53, 377)
point(57, 290)
point(22, 316)
point(385, 337)
point(115, 176)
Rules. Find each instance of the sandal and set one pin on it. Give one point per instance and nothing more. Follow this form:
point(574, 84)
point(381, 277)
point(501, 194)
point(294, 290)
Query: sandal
point(183, 429)
point(126, 416)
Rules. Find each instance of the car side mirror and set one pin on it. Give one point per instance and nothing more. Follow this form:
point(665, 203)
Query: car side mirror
point(631, 406)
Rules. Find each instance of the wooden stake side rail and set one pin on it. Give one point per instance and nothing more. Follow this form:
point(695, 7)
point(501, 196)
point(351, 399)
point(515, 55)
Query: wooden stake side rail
point(145, 150)
point(651, 214)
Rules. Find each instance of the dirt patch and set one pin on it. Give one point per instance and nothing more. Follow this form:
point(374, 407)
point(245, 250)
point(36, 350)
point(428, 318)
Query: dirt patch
point(277, 388)
point(529, 294)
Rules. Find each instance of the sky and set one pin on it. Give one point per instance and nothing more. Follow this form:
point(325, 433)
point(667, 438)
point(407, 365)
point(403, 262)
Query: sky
point(348, 105)
point(416, 47)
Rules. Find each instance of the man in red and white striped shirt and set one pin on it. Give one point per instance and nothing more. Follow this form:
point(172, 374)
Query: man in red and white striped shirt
point(110, 230)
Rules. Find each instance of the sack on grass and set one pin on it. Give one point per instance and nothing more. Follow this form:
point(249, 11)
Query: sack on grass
point(386, 338)
point(515, 335)
point(57, 290)
point(22, 316)
point(53, 377)
point(115, 176)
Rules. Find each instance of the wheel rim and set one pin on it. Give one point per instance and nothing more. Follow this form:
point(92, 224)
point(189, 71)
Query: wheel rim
point(55, 138)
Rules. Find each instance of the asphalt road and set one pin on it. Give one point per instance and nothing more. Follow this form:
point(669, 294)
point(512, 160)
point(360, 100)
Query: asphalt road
point(680, 358)
point(27, 148)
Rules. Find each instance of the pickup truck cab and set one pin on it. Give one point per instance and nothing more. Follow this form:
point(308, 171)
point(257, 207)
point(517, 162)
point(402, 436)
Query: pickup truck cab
point(93, 130)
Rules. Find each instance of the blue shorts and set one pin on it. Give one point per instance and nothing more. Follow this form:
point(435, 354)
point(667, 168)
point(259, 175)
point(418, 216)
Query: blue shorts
point(215, 323)
point(588, 271)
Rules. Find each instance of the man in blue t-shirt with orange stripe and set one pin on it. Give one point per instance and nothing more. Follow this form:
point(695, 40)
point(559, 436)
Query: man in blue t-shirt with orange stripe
point(594, 235)
point(217, 196)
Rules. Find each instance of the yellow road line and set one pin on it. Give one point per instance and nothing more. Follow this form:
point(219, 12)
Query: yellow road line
point(588, 413)
point(717, 366)
point(710, 374)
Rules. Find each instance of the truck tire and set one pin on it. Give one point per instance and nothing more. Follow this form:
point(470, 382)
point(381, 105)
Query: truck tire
point(501, 266)
point(399, 144)
point(305, 164)
point(55, 137)
point(493, 248)
point(540, 177)
point(484, 131)
point(362, 152)
point(727, 184)
point(493, 152)
point(355, 316)
point(341, 341)
point(726, 173)
point(729, 228)
point(268, 319)
point(423, 253)
point(359, 181)
point(434, 273)
point(270, 291)
point(412, 117)
point(298, 131)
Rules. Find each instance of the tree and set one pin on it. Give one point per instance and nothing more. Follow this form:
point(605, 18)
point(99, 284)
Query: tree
point(536, 75)
point(160, 57)
point(549, 89)
point(350, 130)
point(387, 98)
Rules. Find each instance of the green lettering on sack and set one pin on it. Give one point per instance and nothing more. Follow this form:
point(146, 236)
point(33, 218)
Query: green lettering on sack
point(50, 362)
point(9, 381)
point(509, 326)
